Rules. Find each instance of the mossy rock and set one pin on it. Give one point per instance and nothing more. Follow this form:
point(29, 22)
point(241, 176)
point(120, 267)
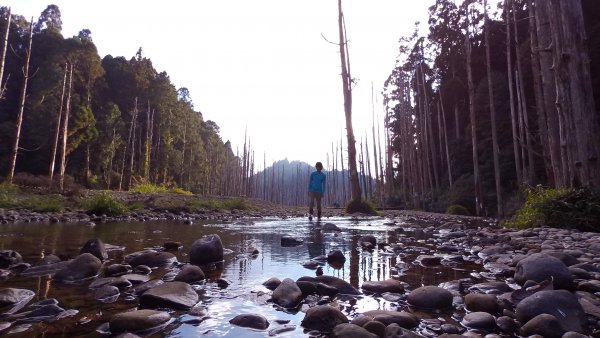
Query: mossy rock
point(457, 209)
point(360, 206)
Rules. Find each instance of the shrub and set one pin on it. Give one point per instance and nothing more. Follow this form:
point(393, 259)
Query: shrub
point(43, 203)
point(361, 206)
point(560, 208)
point(457, 209)
point(149, 188)
point(7, 195)
point(103, 203)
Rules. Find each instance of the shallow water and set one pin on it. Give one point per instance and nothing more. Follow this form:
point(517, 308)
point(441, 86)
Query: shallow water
point(246, 273)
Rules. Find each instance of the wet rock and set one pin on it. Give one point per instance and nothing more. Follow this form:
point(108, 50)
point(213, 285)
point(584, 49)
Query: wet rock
point(172, 246)
point(12, 300)
point(118, 282)
point(176, 295)
point(310, 264)
point(367, 241)
point(8, 258)
point(49, 259)
point(388, 285)
point(330, 227)
point(290, 241)
point(107, 293)
point(150, 258)
point(272, 283)
point(429, 260)
point(481, 302)
point(142, 269)
point(307, 288)
point(361, 320)
point(430, 297)
point(140, 289)
point(287, 295)
point(591, 286)
point(323, 318)
point(95, 247)
point(336, 256)
point(326, 290)
point(347, 330)
point(560, 303)
point(507, 324)
point(375, 327)
point(45, 313)
point(190, 274)
point(253, 321)
point(544, 324)
point(281, 329)
point(82, 267)
point(495, 288)
point(395, 331)
point(402, 318)
point(206, 250)
point(539, 267)
point(139, 320)
point(115, 270)
point(341, 285)
point(479, 320)
point(136, 278)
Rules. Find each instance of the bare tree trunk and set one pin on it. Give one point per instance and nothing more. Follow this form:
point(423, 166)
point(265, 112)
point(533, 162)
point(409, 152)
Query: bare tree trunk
point(347, 91)
point(3, 55)
point(478, 197)
point(446, 141)
point(513, 115)
point(19, 122)
point(132, 155)
point(147, 145)
point(495, 149)
point(57, 130)
point(65, 134)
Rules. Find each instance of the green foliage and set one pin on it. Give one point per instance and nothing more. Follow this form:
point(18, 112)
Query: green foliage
point(457, 209)
point(103, 203)
point(43, 203)
point(180, 191)
point(149, 188)
point(361, 206)
point(560, 208)
point(7, 195)
point(220, 204)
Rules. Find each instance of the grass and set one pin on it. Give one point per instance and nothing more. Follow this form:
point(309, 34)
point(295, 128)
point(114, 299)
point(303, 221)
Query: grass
point(43, 203)
point(151, 188)
point(559, 208)
point(103, 203)
point(220, 204)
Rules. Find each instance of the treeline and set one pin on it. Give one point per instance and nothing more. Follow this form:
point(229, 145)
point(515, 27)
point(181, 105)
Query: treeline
point(492, 102)
point(107, 122)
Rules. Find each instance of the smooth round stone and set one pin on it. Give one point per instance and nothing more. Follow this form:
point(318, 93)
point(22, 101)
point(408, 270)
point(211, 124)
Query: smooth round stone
point(254, 321)
point(430, 297)
point(479, 320)
point(134, 321)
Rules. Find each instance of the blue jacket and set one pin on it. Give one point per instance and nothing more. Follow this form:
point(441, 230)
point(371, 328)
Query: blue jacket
point(317, 182)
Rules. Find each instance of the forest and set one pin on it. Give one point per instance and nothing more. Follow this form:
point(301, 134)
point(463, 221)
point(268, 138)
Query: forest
point(490, 100)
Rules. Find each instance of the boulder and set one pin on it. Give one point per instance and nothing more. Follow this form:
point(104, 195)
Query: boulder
point(336, 257)
point(481, 302)
point(388, 285)
point(139, 320)
point(95, 247)
point(431, 298)
point(479, 321)
point(387, 317)
point(375, 327)
point(115, 270)
point(16, 299)
point(347, 330)
point(190, 274)
point(107, 293)
point(175, 295)
point(150, 258)
point(82, 267)
point(396, 331)
point(206, 250)
point(253, 321)
point(560, 303)
point(272, 283)
point(543, 324)
point(341, 285)
point(287, 241)
point(287, 295)
point(539, 267)
point(323, 318)
point(8, 258)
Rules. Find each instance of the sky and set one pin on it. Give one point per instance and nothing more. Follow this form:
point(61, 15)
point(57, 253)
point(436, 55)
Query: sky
point(266, 67)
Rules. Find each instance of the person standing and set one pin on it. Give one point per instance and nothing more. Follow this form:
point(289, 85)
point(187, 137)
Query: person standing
point(316, 189)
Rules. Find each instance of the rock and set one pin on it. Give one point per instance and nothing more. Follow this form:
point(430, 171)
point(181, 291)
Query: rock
point(507, 324)
point(175, 295)
point(290, 241)
point(107, 293)
point(341, 285)
point(172, 246)
point(375, 327)
point(307, 288)
point(323, 318)
point(395, 331)
point(140, 289)
point(118, 282)
point(326, 290)
point(560, 303)
point(272, 283)
point(479, 320)
point(346, 330)
point(253, 321)
point(136, 278)
point(49, 313)
point(49, 260)
point(336, 259)
point(401, 318)
point(481, 302)
point(142, 269)
point(95, 247)
point(14, 298)
point(82, 267)
point(190, 274)
point(388, 285)
point(139, 320)
point(8, 258)
point(330, 227)
point(115, 270)
point(287, 295)
point(150, 258)
point(367, 240)
point(430, 298)
point(543, 324)
point(429, 260)
point(539, 267)
point(206, 250)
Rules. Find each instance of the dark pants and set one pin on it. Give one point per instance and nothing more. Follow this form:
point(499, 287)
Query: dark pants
point(315, 196)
